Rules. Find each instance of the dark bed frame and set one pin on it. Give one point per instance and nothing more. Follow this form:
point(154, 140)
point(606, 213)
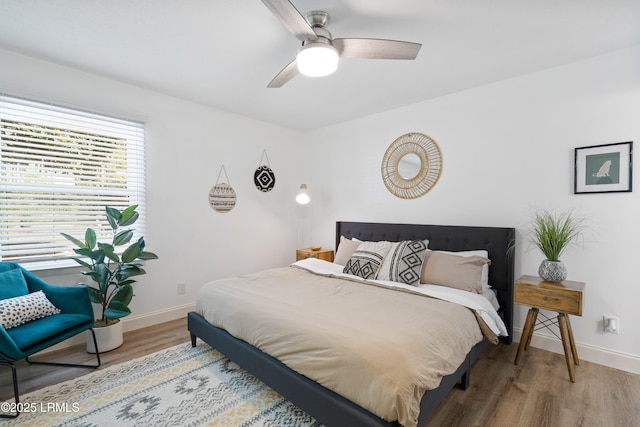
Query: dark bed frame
point(328, 407)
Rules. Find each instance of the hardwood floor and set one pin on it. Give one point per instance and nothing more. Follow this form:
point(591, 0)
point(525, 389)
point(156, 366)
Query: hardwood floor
point(537, 392)
point(136, 344)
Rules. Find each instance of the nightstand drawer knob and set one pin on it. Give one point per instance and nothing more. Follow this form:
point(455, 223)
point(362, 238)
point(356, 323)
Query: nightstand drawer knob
point(546, 298)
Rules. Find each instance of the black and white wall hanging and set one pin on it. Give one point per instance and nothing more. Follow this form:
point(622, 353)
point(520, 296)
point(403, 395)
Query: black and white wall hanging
point(264, 178)
point(222, 197)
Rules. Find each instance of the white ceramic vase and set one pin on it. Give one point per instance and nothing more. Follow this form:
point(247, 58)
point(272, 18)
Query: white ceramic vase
point(108, 338)
point(552, 271)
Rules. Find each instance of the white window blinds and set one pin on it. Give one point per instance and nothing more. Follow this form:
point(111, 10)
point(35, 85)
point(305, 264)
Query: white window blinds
point(59, 168)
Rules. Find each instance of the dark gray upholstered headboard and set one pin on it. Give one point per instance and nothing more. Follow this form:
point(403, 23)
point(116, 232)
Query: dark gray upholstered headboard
point(451, 238)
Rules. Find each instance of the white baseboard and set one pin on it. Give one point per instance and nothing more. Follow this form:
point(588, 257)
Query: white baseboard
point(602, 356)
point(132, 323)
point(594, 354)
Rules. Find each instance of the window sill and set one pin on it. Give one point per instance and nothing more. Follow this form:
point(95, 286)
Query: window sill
point(53, 268)
point(57, 268)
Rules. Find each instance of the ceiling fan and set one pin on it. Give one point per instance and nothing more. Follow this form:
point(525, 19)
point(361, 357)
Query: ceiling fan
point(319, 53)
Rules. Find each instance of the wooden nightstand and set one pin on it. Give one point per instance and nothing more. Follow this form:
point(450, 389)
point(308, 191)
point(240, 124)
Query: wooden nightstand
point(324, 254)
point(564, 298)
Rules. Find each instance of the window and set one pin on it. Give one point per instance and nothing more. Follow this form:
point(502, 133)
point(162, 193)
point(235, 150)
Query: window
point(59, 168)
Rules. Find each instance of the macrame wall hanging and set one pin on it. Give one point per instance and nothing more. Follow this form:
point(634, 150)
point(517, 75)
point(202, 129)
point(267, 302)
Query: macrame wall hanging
point(264, 178)
point(222, 197)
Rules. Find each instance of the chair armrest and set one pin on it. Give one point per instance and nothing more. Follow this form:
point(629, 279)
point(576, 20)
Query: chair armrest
point(8, 349)
point(69, 299)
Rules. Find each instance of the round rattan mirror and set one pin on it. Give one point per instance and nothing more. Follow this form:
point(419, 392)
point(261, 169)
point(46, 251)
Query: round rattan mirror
point(411, 166)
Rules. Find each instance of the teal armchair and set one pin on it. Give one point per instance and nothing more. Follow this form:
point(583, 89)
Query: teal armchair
point(20, 342)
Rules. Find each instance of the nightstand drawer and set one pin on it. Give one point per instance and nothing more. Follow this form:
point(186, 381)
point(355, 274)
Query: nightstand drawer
point(563, 297)
point(323, 254)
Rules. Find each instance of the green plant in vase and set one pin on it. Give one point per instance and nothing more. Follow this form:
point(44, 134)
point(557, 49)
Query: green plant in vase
point(552, 233)
point(111, 269)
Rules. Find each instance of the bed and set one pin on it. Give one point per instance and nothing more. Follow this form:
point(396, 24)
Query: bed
point(331, 408)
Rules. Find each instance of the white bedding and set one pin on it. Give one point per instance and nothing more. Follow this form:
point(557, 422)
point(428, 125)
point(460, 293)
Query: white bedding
point(479, 303)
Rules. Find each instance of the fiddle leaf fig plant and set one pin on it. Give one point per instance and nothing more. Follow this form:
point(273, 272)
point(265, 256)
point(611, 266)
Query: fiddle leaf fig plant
point(112, 270)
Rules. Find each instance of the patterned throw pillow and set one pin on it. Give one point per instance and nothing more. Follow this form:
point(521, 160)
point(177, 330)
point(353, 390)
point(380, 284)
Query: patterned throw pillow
point(16, 311)
point(366, 260)
point(404, 261)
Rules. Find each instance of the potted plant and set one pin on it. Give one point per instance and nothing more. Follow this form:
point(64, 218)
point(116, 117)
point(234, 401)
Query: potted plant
point(553, 233)
point(111, 271)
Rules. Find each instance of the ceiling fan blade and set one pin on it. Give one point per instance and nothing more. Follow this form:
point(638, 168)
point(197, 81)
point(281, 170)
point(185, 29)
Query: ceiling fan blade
point(287, 13)
point(287, 73)
point(376, 48)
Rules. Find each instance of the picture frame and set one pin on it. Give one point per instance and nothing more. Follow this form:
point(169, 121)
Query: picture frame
point(603, 168)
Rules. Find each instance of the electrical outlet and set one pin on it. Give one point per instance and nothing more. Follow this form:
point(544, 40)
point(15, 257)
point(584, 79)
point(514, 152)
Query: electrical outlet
point(182, 288)
point(611, 324)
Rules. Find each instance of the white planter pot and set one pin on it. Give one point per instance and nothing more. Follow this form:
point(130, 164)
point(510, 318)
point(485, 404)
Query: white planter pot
point(108, 338)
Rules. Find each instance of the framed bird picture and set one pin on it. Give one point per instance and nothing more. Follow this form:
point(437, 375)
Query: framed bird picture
point(603, 168)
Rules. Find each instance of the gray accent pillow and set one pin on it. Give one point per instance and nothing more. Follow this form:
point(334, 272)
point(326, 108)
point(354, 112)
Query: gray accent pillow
point(454, 271)
point(366, 260)
point(403, 262)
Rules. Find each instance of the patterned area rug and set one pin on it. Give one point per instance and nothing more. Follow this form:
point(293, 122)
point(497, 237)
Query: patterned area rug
point(180, 386)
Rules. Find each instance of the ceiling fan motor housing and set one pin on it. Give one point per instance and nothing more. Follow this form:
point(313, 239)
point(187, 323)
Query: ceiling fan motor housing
point(317, 18)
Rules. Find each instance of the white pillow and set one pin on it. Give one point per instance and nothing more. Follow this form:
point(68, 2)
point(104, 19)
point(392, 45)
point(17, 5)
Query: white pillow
point(346, 248)
point(485, 268)
point(19, 310)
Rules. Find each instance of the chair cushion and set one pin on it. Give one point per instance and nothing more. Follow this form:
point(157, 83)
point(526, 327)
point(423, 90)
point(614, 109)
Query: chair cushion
point(12, 284)
point(42, 333)
point(16, 311)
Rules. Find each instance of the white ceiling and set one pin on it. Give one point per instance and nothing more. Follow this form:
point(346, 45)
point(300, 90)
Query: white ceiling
point(223, 53)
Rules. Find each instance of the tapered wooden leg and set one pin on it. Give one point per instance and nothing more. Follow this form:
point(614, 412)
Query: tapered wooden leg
point(525, 339)
point(576, 360)
point(534, 319)
point(564, 333)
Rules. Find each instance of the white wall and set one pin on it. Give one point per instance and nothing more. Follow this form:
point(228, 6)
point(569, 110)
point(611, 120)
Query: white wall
point(186, 146)
point(508, 147)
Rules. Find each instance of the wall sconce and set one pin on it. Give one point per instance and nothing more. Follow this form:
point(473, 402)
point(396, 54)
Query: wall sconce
point(303, 195)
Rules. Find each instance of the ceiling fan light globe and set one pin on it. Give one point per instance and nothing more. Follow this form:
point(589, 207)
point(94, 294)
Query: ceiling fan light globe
point(317, 59)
